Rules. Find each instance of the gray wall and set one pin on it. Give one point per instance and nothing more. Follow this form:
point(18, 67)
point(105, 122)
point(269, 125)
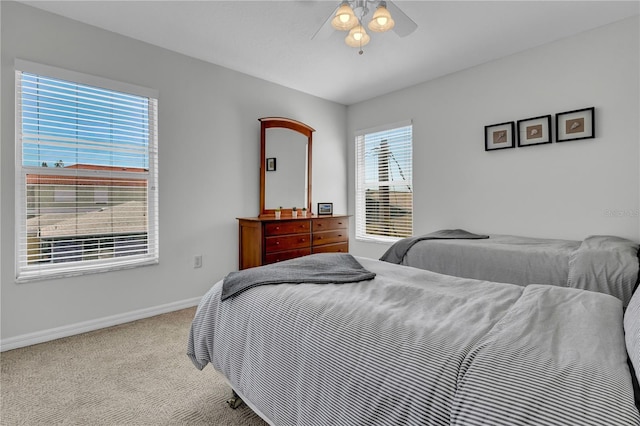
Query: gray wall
point(209, 153)
point(560, 190)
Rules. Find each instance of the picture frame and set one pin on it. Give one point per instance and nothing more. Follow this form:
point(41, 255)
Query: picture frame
point(534, 131)
point(575, 125)
point(325, 209)
point(499, 136)
point(271, 164)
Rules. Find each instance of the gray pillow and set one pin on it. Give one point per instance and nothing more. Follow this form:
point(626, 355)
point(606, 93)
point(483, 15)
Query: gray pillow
point(605, 264)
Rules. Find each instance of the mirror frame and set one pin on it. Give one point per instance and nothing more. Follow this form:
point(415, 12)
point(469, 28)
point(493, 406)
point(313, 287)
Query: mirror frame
point(296, 126)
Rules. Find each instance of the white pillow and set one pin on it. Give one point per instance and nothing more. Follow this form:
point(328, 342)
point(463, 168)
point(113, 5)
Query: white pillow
point(632, 331)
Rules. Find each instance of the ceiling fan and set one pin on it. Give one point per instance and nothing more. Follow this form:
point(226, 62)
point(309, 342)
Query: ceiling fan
point(378, 16)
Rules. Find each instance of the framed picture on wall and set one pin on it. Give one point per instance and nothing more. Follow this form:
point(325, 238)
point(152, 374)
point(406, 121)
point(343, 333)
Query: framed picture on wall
point(499, 136)
point(271, 164)
point(325, 209)
point(534, 131)
point(574, 125)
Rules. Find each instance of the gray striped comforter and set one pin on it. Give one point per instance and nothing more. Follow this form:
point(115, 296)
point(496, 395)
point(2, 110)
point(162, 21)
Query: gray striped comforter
point(413, 347)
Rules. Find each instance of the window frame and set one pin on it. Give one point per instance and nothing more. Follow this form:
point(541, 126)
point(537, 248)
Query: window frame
point(25, 272)
point(360, 193)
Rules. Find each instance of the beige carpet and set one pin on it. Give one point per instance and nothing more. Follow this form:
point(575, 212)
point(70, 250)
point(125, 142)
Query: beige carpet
point(132, 374)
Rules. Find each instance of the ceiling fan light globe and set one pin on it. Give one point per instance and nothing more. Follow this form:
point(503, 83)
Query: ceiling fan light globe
point(357, 37)
point(381, 20)
point(344, 19)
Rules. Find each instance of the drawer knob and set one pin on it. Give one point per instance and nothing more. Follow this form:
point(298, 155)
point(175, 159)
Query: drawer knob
point(302, 239)
point(339, 235)
point(339, 223)
point(277, 243)
point(319, 238)
point(277, 228)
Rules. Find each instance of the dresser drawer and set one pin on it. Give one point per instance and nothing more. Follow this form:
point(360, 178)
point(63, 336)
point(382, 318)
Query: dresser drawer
point(332, 248)
point(287, 227)
point(285, 255)
point(330, 224)
point(330, 237)
point(287, 242)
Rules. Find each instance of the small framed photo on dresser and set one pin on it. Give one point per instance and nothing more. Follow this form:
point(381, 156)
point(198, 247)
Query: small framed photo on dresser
point(325, 209)
point(499, 136)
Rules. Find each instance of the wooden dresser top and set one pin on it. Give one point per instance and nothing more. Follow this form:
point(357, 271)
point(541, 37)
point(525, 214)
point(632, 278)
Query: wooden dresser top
point(273, 219)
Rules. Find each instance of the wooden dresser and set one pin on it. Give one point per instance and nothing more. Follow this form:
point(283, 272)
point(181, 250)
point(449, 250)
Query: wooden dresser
point(265, 240)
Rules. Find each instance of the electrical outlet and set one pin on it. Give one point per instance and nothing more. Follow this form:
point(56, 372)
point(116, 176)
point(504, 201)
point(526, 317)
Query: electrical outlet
point(197, 261)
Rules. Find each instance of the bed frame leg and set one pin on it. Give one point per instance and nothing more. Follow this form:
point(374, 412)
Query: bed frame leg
point(235, 401)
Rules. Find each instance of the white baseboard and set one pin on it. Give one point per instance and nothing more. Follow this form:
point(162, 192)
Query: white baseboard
point(83, 327)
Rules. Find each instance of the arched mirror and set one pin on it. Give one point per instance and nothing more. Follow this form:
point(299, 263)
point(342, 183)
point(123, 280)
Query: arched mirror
point(285, 165)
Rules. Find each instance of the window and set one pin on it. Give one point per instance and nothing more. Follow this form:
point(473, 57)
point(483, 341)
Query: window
point(86, 174)
point(384, 190)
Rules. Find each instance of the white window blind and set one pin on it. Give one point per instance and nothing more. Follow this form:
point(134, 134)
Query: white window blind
point(86, 177)
point(384, 189)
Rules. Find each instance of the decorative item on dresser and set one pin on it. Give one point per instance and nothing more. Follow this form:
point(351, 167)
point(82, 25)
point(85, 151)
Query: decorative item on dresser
point(265, 240)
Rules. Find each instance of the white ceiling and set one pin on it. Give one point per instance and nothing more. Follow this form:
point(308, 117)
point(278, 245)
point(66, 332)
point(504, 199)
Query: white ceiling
point(272, 39)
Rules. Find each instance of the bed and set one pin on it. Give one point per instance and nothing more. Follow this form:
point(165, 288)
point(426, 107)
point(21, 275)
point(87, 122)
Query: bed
point(407, 346)
point(606, 264)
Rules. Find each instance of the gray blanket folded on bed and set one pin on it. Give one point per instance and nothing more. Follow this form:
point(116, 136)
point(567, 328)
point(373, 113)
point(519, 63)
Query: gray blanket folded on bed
point(397, 251)
point(321, 268)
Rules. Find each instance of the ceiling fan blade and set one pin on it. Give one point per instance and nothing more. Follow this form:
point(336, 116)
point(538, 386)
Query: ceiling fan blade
point(325, 30)
point(404, 25)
